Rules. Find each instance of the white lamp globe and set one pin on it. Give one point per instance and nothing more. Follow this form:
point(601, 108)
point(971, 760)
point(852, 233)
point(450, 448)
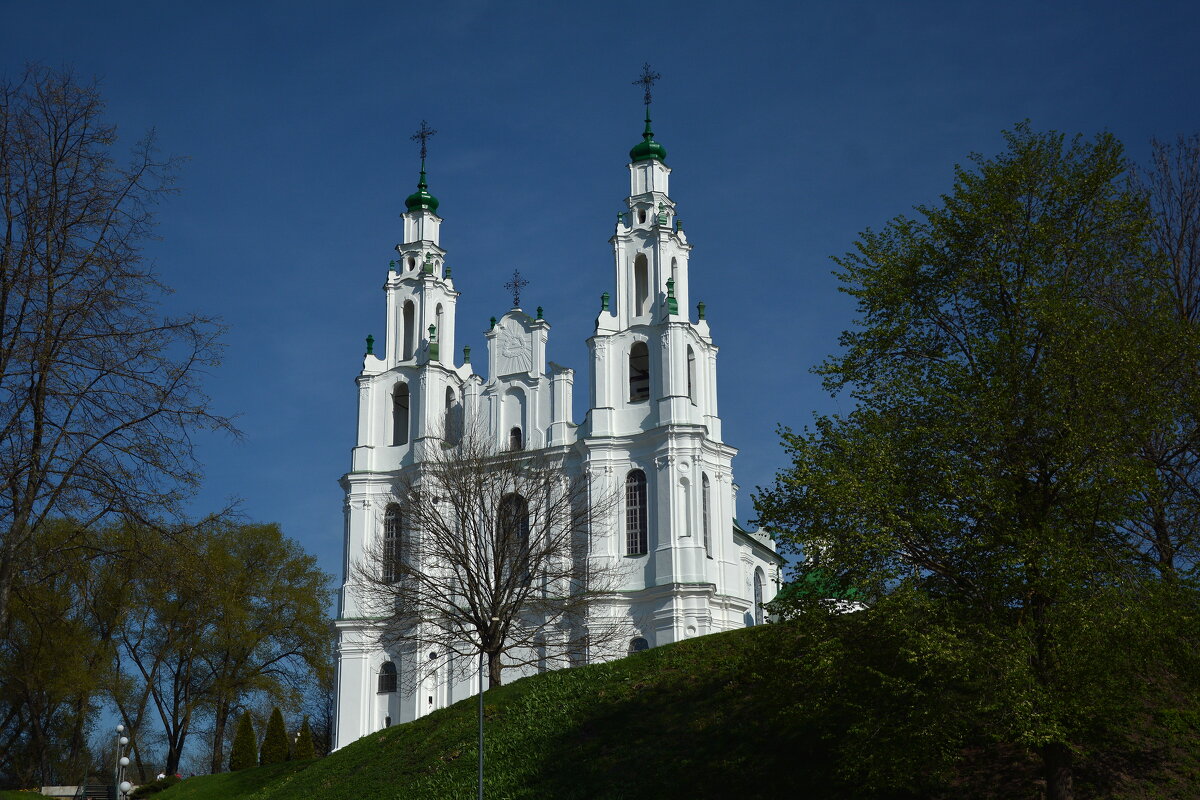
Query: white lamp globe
point(125, 786)
point(124, 761)
point(120, 729)
point(124, 740)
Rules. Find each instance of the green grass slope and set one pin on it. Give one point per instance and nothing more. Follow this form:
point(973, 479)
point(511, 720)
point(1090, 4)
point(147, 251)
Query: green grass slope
point(723, 716)
point(709, 712)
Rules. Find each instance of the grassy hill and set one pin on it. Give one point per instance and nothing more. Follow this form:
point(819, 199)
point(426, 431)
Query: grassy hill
point(722, 716)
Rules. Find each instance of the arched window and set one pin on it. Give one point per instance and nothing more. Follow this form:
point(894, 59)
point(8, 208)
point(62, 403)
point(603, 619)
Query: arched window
point(641, 215)
point(515, 440)
point(453, 422)
point(441, 335)
point(410, 328)
point(758, 596)
point(641, 285)
point(635, 513)
point(691, 367)
point(400, 414)
point(512, 536)
point(638, 645)
point(675, 272)
point(412, 263)
point(639, 372)
point(705, 493)
point(387, 677)
point(393, 543)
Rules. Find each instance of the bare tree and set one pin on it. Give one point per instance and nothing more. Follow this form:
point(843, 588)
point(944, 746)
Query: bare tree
point(1167, 531)
point(489, 550)
point(100, 392)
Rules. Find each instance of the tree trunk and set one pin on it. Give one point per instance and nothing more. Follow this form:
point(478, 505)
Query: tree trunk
point(1056, 761)
point(494, 670)
point(220, 718)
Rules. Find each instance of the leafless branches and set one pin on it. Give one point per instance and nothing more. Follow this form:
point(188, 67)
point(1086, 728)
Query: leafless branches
point(99, 393)
point(489, 551)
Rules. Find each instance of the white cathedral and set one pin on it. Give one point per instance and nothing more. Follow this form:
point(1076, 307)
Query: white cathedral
point(651, 433)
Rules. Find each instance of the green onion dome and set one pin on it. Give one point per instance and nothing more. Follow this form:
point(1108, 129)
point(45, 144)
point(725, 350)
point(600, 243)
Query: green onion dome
point(648, 148)
point(421, 198)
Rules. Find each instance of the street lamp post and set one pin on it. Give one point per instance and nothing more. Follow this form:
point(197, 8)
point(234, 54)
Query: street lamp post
point(123, 786)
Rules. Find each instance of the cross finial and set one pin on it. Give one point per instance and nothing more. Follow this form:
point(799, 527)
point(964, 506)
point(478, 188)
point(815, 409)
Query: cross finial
point(647, 79)
point(515, 286)
point(422, 135)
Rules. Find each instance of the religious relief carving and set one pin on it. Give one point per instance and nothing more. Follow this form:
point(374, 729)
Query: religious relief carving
point(514, 351)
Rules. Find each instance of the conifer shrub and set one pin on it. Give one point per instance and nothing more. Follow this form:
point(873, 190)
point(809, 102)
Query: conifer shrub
point(242, 753)
point(154, 787)
point(275, 743)
point(304, 744)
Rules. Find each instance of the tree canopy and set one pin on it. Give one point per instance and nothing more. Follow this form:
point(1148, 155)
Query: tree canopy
point(1017, 349)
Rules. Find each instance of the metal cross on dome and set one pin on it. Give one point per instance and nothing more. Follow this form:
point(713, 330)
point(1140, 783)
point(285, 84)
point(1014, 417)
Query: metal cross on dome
point(422, 135)
point(515, 286)
point(647, 79)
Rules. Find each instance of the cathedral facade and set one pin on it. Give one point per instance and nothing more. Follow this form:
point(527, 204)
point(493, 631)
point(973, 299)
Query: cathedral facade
point(651, 436)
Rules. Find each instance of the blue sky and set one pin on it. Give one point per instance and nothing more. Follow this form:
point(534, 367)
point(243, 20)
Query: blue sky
point(790, 128)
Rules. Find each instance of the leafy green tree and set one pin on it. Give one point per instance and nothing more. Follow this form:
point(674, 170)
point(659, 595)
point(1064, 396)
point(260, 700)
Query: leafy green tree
point(1013, 355)
point(275, 742)
point(305, 751)
point(273, 628)
point(242, 754)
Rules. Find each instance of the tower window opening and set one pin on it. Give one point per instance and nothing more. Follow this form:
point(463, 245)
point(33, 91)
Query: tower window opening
point(400, 404)
point(515, 440)
point(393, 544)
point(639, 372)
point(641, 215)
point(691, 374)
point(387, 677)
point(641, 285)
point(412, 263)
point(705, 499)
point(675, 272)
point(441, 332)
point(453, 421)
point(636, 543)
point(410, 325)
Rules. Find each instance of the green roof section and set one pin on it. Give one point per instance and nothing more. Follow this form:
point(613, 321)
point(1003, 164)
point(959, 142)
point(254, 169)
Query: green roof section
point(421, 198)
point(648, 149)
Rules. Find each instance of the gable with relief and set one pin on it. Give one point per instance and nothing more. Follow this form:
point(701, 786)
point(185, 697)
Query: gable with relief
point(514, 347)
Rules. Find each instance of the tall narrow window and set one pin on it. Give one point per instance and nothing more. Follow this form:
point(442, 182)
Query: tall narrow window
point(441, 332)
point(635, 513)
point(512, 537)
point(515, 440)
point(393, 543)
point(641, 285)
point(691, 367)
point(400, 414)
point(758, 597)
point(452, 422)
point(387, 677)
point(410, 328)
point(639, 372)
point(705, 493)
point(675, 274)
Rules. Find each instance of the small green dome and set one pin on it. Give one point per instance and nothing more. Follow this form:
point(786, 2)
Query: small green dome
point(648, 148)
point(421, 198)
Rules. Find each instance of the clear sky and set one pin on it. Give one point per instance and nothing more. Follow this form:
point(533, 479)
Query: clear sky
point(790, 127)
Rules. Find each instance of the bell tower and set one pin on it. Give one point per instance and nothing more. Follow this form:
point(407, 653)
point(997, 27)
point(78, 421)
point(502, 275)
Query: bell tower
point(653, 429)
